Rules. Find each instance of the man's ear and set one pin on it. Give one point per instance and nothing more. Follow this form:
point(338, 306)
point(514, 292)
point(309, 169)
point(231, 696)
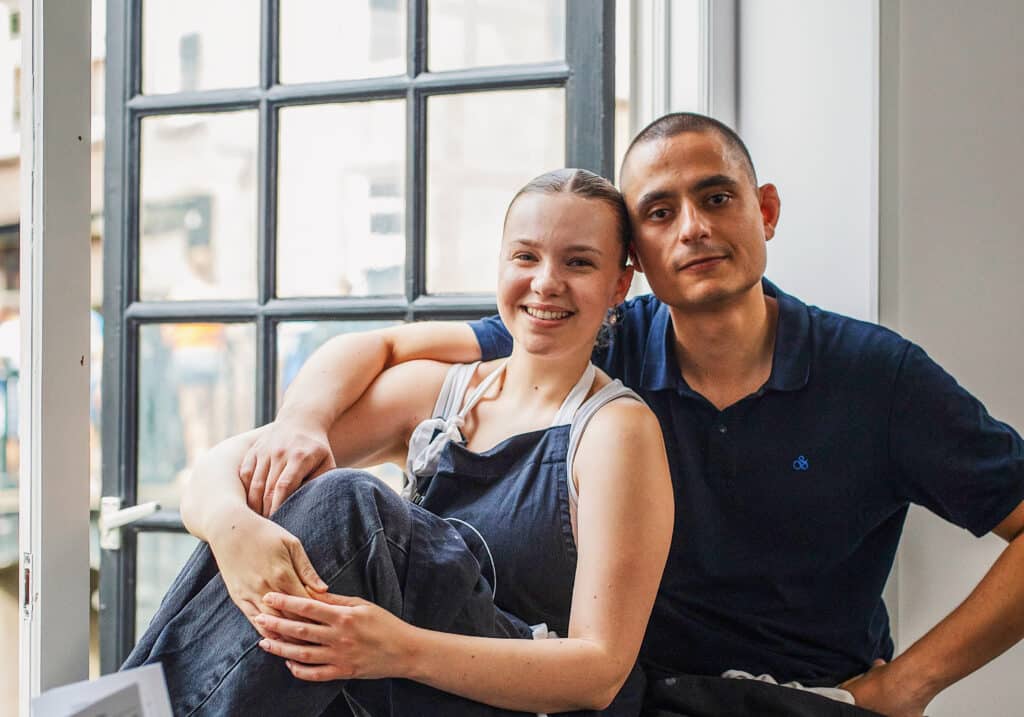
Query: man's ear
point(634, 259)
point(768, 199)
point(622, 285)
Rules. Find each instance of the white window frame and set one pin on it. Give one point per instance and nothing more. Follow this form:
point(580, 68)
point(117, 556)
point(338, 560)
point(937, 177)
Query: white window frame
point(54, 481)
point(657, 71)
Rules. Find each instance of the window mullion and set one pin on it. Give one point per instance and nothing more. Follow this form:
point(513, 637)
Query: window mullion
point(590, 91)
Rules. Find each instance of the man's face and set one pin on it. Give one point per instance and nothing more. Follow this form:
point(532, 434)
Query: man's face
point(700, 224)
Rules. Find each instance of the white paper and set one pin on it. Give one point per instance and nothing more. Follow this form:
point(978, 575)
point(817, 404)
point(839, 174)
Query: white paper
point(141, 692)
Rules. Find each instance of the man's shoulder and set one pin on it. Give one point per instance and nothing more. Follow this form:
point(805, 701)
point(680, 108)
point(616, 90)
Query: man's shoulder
point(847, 341)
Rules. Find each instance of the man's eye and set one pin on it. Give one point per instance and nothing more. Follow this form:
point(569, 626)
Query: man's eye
point(717, 200)
point(659, 214)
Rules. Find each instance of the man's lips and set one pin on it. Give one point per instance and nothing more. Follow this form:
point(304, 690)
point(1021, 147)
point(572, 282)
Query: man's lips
point(701, 262)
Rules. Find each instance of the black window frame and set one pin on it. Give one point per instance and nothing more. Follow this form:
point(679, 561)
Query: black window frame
point(588, 76)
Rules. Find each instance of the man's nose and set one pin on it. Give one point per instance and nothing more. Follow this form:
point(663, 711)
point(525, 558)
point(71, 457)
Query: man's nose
point(692, 226)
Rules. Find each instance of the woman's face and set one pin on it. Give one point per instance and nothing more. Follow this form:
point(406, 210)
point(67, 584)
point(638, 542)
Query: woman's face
point(559, 272)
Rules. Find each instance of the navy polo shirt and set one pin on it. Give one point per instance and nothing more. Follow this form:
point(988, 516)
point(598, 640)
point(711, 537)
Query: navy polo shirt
point(790, 502)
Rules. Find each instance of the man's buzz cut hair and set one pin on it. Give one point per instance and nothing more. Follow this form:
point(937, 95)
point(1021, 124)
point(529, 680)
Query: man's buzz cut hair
point(677, 123)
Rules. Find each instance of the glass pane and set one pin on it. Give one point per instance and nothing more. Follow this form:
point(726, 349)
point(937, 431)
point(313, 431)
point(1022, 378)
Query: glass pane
point(160, 558)
point(481, 148)
point(195, 389)
point(323, 41)
point(296, 340)
point(476, 33)
point(197, 231)
point(341, 200)
point(199, 45)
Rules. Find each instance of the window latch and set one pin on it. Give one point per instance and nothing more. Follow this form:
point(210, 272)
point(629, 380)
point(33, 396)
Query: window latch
point(113, 518)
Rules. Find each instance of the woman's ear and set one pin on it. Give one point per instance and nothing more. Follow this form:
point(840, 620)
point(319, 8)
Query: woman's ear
point(622, 285)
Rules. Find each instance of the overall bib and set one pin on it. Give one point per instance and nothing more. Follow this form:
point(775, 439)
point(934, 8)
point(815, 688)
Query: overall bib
point(482, 546)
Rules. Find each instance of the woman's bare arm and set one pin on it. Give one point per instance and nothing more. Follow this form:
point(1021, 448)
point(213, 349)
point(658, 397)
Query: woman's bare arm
point(332, 380)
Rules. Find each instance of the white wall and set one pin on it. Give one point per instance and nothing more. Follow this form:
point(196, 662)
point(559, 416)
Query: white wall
point(807, 108)
point(893, 131)
point(951, 261)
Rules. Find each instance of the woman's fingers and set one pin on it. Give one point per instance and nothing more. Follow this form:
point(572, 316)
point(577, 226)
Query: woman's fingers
point(314, 673)
point(306, 654)
point(307, 573)
point(303, 607)
point(295, 630)
point(258, 483)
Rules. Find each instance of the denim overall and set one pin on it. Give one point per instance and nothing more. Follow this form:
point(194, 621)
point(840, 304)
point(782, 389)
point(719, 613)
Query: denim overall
point(484, 547)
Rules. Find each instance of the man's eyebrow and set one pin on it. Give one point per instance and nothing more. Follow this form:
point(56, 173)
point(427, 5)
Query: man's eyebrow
point(651, 197)
point(715, 180)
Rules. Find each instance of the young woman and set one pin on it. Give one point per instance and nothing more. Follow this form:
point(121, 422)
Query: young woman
point(541, 507)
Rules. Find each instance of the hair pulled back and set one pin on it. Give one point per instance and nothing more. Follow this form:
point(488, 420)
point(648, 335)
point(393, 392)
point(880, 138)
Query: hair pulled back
point(587, 185)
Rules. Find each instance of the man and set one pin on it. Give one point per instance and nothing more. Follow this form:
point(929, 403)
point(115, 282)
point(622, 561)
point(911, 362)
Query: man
point(796, 438)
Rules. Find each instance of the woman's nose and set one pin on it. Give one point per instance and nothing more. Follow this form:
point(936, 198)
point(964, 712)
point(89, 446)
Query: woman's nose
point(547, 280)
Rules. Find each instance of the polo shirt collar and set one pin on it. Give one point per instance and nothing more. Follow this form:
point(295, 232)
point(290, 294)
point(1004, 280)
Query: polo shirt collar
point(791, 359)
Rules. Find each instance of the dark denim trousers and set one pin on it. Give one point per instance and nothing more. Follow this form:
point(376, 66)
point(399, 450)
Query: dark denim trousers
point(699, 696)
point(365, 541)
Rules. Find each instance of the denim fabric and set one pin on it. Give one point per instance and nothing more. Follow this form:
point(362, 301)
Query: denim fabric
point(365, 541)
point(701, 696)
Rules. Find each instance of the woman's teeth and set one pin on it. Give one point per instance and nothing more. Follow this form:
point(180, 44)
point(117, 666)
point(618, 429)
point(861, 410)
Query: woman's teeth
point(547, 315)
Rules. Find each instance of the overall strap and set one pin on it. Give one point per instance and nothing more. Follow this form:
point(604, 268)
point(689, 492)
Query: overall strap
point(430, 436)
point(609, 392)
point(575, 398)
point(454, 388)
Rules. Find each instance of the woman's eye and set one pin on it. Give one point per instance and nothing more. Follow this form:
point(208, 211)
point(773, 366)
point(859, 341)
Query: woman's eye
point(523, 256)
point(580, 262)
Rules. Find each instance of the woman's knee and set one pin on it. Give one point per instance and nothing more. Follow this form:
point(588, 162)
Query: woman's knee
point(344, 502)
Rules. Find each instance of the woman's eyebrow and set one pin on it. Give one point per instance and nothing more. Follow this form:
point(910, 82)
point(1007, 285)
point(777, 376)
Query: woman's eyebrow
point(531, 243)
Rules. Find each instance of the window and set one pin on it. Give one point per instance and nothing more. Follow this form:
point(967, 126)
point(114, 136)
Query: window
point(188, 52)
point(304, 169)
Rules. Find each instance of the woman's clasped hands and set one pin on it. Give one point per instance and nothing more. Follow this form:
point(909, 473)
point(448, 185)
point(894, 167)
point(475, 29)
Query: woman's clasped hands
point(332, 637)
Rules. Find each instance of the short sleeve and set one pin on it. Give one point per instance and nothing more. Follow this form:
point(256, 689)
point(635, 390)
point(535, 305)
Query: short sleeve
point(494, 339)
point(951, 455)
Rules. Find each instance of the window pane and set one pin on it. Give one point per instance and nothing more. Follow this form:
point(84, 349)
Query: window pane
point(476, 33)
point(341, 200)
point(197, 231)
point(296, 340)
point(160, 558)
point(323, 41)
point(199, 45)
point(195, 389)
point(481, 148)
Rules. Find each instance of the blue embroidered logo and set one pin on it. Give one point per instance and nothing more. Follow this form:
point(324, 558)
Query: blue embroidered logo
point(801, 464)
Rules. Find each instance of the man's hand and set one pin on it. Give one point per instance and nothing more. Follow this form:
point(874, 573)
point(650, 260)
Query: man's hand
point(284, 456)
point(880, 691)
point(256, 556)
